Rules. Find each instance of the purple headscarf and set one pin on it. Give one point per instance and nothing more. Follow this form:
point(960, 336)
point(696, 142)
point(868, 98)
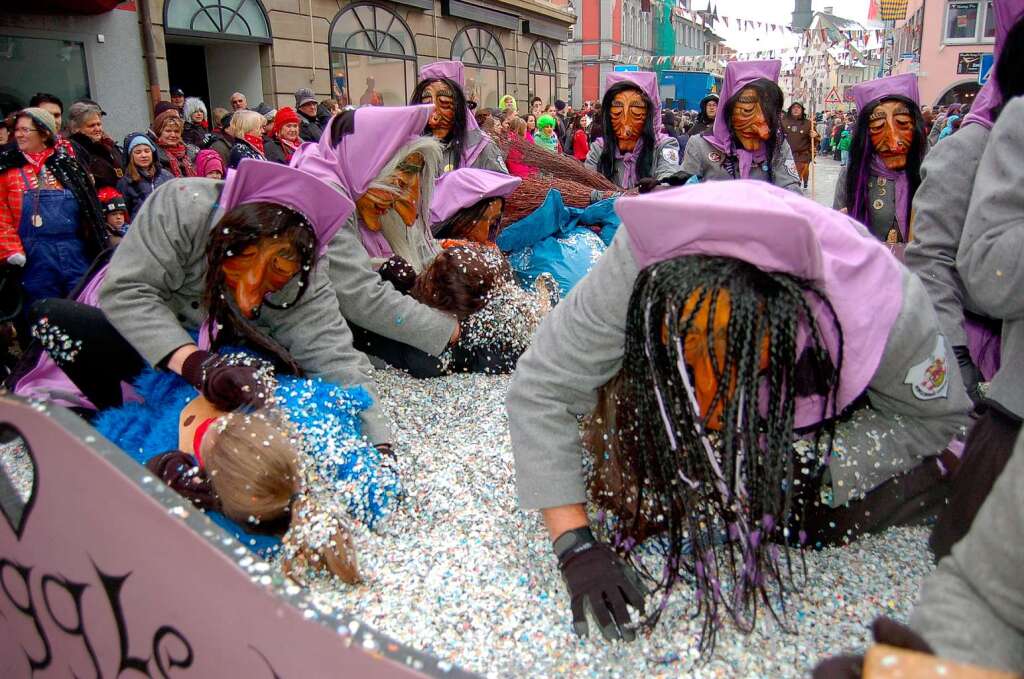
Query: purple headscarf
point(865, 95)
point(324, 205)
point(1008, 12)
point(779, 231)
point(378, 133)
point(739, 74)
point(464, 188)
point(456, 72)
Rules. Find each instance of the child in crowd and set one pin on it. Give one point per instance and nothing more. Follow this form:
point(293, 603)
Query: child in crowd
point(546, 137)
point(209, 164)
point(115, 209)
point(142, 174)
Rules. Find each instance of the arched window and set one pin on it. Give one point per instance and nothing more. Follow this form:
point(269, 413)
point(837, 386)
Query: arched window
point(543, 70)
point(373, 56)
point(244, 20)
point(480, 51)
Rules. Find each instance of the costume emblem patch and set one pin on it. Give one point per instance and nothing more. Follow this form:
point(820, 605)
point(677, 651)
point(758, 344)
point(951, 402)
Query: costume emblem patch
point(928, 378)
point(671, 155)
point(715, 157)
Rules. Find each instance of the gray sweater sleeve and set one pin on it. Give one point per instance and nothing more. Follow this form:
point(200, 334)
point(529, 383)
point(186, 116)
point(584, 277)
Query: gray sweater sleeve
point(900, 426)
point(991, 255)
point(972, 607)
point(151, 264)
point(594, 155)
point(371, 303)
point(786, 176)
point(938, 215)
point(666, 161)
point(491, 159)
point(577, 349)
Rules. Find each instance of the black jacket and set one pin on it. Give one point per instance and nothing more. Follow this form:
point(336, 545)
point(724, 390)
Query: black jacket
point(196, 135)
point(275, 151)
point(92, 225)
point(309, 128)
point(103, 160)
point(136, 193)
point(242, 150)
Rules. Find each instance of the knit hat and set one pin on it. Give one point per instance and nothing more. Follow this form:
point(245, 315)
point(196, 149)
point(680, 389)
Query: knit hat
point(285, 115)
point(111, 200)
point(42, 118)
point(559, 105)
point(207, 161)
point(160, 122)
point(137, 139)
point(303, 96)
point(162, 106)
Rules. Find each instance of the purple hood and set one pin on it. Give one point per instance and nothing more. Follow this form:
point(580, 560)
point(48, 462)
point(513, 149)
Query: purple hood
point(867, 93)
point(738, 74)
point(464, 188)
point(778, 231)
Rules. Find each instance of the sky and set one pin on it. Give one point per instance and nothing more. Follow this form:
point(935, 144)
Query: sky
point(772, 11)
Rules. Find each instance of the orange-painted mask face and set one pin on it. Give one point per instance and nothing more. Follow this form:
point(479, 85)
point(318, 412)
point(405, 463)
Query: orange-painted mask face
point(704, 350)
point(261, 268)
point(628, 114)
point(443, 117)
point(748, 121)
point(481, 229)
point(376, 203)
point(891, 126)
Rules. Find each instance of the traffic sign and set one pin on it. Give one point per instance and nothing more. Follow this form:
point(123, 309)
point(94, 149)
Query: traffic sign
point(833, 97)
point(626, 67)
point(987, 61)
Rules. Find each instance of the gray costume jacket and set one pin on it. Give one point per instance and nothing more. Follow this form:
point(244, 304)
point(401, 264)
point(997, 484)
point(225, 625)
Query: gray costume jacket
point(881, 200)
point(991, 255)
point(153, 290)
point(938, 215)
point(972, 607)
point(666, 160)
point(371, 303)
point(704, 160)
point(580, 345)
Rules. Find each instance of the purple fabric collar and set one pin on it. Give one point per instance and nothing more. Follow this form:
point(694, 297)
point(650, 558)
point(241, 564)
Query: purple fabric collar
point(779, 231)
point(325, 206)
point(646, 82)
point(738, 74)
point(629, 161)
point(989, 99)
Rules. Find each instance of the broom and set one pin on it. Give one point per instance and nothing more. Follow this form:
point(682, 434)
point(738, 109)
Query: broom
point(553, 164)
point(530, 194)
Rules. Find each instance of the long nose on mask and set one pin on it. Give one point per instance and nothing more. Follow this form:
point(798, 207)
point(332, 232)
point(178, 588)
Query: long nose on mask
point(252, 287)
point(763, 131)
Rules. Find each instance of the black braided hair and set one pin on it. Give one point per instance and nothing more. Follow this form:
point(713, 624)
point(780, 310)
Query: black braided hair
point(771, 98)
point(738, 483)
point(238, 228)
point(645, 163)
point(456, 139)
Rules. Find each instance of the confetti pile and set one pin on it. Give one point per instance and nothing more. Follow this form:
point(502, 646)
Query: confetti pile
point(461, 573)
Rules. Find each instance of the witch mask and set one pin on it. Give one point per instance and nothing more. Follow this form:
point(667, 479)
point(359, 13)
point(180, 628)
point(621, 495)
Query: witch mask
point(891, 126)
point(398, 191)
point(442, 119)
point(748, 120)
point(705, 350)
point(628, 114)
point(260, 269)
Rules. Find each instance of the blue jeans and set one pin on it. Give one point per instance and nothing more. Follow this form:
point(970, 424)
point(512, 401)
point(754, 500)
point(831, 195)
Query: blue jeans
point(844, 155)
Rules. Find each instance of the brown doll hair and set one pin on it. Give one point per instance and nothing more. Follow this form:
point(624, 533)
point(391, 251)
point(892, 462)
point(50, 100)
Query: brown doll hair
point(459, 279)
point(254, 468)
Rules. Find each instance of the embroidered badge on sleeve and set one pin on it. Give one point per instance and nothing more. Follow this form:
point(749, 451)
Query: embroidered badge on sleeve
point(670, 154)
point(928, 378)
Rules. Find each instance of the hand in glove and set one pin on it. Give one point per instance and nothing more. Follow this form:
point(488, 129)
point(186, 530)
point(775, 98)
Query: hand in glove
point(227, 387)
point(647, 184)
point(969, 372)
point(885, 631)
point(599, 583)
point(399, 273)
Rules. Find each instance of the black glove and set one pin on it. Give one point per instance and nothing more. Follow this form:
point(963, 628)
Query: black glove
point(599, 582)
point(227, 387)
point(969, 372)
point(647, 184)
point(885, 631)
point(399, 273)
point(677, 179)
point(182, 472)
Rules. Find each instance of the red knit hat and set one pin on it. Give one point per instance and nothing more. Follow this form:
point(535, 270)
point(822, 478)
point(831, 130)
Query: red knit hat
point(111, 200)
point(285, 115)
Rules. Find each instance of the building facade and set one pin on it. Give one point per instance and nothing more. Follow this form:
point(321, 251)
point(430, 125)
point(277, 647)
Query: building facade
point(827, 65)
point(943, 42)
point(606, 33)
point(357, 52)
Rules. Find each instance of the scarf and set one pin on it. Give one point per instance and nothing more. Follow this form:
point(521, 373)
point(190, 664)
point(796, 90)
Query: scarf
point(288, 147)
point(629, 163)
point(748, 158)
point(256, 142)
point(181, 166)
point(38, 159)
point(546, 142)
point(902, 197)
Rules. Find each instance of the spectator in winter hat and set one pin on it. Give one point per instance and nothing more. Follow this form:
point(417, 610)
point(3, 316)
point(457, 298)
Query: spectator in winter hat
point(209, 164)
point(143, 172)
point(115, 210)
point(306, 105)
point(284, 136)
point(197, 127)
